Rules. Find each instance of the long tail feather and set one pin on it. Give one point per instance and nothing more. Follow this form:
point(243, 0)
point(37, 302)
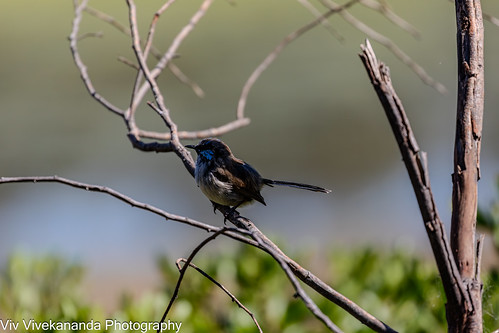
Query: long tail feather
point(308, 187)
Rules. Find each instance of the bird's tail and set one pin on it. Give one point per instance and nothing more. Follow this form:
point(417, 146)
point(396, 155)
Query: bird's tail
point(314, 188)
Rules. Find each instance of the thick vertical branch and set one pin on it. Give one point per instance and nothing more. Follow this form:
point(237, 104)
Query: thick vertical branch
point(467, 155)
point(468, 133)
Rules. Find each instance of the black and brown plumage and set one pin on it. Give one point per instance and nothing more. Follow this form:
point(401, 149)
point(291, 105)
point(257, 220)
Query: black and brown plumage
point(229, 181)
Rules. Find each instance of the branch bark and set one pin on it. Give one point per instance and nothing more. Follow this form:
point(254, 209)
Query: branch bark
point(466, 174)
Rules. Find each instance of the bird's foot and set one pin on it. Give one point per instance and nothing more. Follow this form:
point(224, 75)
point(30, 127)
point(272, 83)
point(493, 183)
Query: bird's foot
point(229, 213)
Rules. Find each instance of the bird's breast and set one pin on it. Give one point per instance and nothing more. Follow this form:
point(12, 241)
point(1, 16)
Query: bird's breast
point(213, 188)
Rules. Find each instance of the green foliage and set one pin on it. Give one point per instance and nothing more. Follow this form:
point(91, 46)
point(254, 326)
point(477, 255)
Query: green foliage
point(402, 290)
point(43, 288)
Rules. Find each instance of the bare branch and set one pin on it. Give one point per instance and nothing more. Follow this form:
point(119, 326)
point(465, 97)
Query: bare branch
point(172, 67)
point(136, 133)
point(98, 34)
point(385, 10)
point(178, 148)
point(309, 303)
point(138, 79)
point(185, 79)
point(390, 45)
point(469, 117)
point(214, 131)
point(225, 290)
point(277, 50)
point(417, 168)
point(130, 201)
point(163, 62)
point(184, 269)
point(306, 276)
point(107, 18)
point(73, 44)
point(128, 62)
point(492, 19)
point(324, 21)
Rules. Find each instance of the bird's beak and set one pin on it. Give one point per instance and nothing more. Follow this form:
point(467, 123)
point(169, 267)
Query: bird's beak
point(190, 146)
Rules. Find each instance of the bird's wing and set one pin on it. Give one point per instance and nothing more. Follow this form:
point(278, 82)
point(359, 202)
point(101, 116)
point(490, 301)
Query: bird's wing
point(244, 178)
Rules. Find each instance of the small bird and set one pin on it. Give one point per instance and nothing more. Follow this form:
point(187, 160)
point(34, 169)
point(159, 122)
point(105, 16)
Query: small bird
point(229, 181)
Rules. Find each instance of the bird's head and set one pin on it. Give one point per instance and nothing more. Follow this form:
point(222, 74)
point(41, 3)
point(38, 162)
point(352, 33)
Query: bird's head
point(209, 149)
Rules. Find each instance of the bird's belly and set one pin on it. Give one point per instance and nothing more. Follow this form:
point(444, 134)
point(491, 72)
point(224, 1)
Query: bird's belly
point(217, 191)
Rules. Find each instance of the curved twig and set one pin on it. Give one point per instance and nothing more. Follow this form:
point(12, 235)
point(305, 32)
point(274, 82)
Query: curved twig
point(309, 303)
point(384, 9)
point(126, 199)
point(241, 105)
point(128, 115)
point(225, 290)
point(306, 276)
point(73, 45)
point(390, 45)
point(184, 269)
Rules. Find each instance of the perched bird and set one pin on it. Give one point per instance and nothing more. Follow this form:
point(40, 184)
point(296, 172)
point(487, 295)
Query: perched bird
point(229, 181)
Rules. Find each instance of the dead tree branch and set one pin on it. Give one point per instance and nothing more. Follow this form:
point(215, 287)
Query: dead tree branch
point(224, 289)
point(126, 199)
point(390, 45)
point(128, 115)
point(281, 259)
point(417, 168)
point(308, 277)
point(469, 115)
point(184, 269)
point(383, 8)
point(241, 105)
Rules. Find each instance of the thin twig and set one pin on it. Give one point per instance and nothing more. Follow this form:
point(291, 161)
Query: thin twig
point(172, 50)
point(147, 47)
point(385, 10)
point(306, 276)
point(126, 199)
point(324, 21)
point(390, 45)
point(225, 290)
point(98, 34)
point(206, 133)
point(184, 269)
point(185, 79)
point(73, 44)
point(137, 133)
point(241, 105)
point(108, 19)
point(178, 148)
point(128, 62)
point(492, 19)
point(309, 303)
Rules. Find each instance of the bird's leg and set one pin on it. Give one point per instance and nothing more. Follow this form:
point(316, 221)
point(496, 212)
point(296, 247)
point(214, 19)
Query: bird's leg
point(232, 211)
point(215, 206)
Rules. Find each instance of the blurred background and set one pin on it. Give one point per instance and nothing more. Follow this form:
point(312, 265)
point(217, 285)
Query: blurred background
point(314, 118)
